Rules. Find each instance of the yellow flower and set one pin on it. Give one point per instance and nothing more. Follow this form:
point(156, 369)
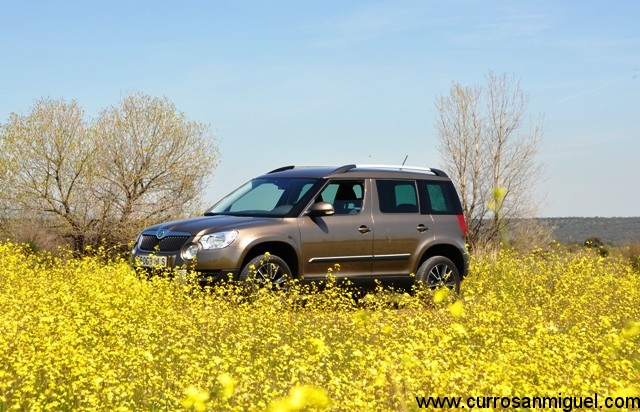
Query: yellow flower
point(631, 330)
point(228, 385)
point(459, 328)
point(91, 333)
point(456, 309)
point(301, 397)
point(441, 294)
point(196, 399)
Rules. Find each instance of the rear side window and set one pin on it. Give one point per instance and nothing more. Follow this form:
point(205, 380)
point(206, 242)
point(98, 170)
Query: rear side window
point(441, 197)
point(397, 196)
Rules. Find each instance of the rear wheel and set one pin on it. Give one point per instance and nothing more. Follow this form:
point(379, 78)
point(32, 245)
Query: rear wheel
point(438, 271)
point(266, 269)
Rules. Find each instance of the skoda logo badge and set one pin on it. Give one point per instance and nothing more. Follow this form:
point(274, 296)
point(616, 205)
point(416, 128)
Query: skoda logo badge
point(161, 233)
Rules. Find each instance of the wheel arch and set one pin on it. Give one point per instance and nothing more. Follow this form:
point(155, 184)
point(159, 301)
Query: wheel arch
point(449, 251)
point(281, 249)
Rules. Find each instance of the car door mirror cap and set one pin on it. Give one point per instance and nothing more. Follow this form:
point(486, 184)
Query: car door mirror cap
point(321, 209)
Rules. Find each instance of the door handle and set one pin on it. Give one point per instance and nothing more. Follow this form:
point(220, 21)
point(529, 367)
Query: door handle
point(422, 228)
point(364, 229)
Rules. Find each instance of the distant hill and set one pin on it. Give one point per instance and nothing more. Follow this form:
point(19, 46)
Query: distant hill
point(611, 230)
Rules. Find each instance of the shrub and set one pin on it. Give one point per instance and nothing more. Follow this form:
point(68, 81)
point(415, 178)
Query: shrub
point(594, 242)
point(632, 253)
point(597, 244)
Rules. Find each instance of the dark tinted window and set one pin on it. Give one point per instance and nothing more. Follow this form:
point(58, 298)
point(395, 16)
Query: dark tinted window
point(397, 196)
point(441, 197)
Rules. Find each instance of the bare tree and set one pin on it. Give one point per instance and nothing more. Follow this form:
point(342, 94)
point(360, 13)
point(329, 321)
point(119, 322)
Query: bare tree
point(48, 158)
point(460, 132)
point(485, 139)
point(140, 161)
point(154, 162)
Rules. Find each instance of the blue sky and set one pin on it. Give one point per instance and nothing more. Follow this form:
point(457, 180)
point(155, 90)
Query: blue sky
point(338, 82)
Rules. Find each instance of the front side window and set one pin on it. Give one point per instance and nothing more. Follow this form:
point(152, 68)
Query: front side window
point(264, 197)
point(397, 196)
point(345, 196)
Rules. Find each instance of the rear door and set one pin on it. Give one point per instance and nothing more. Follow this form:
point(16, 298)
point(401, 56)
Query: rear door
point(400, 228)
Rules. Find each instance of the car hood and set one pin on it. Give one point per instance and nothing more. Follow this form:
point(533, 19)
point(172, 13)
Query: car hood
point(210, 224)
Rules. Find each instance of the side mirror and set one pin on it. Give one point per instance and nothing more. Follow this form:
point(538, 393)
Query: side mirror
point(321, 209)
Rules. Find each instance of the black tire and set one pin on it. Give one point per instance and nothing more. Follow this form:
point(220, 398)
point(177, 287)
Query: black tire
point(438, 271)
point(266, 269)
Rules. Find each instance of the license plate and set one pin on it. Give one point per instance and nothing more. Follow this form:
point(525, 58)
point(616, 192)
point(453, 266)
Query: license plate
point(151, 261)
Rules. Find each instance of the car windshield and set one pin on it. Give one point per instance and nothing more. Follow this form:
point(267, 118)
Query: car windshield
point(274, 197)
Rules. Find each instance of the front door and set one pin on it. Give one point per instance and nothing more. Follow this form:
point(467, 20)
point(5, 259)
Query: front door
point(344, 238)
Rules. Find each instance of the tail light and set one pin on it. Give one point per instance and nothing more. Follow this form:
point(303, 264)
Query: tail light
point(462, 223)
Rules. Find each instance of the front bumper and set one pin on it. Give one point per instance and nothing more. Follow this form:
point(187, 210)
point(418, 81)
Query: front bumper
point(174, 266)
point(212, 278)
point(208, 278)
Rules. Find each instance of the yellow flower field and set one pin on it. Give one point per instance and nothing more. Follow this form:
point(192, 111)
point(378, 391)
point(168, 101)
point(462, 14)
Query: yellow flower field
point(81, 334)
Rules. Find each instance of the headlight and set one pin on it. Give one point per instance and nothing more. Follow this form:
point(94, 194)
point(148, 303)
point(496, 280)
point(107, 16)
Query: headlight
point(218, 240)
point(190, 252)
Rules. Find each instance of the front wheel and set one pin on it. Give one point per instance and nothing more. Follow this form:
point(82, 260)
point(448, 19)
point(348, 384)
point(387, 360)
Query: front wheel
point(266, 269)
point(438, 271)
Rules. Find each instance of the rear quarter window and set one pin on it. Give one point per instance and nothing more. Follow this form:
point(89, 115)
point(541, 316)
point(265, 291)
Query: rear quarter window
point(440, 197)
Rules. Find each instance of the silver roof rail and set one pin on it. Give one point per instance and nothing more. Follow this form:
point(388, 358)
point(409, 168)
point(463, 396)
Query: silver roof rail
point(346, 168)
point(436, 172)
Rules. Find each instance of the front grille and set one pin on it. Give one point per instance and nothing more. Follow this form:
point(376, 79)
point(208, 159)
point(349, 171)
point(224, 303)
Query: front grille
point(166, 244)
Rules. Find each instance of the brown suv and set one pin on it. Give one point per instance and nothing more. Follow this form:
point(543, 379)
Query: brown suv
point(396, 224)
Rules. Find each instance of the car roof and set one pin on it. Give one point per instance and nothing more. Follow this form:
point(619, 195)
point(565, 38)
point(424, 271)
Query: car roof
point(353, 170)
